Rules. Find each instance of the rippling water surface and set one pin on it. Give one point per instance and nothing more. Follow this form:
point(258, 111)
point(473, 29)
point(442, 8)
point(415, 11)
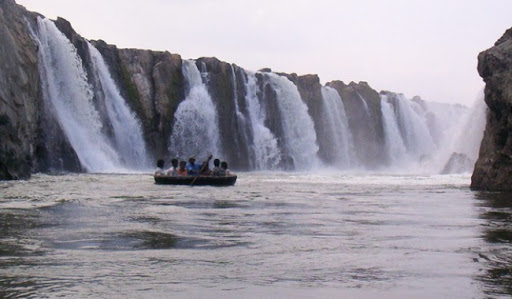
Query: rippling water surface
point(271, 235)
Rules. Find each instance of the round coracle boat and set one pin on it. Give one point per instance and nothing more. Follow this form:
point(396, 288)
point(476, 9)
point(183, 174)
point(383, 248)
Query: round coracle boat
point(196, 180)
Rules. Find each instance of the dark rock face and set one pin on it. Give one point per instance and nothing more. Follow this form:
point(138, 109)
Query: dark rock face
point(493, 170)
point(152, 83)
point(20, 100)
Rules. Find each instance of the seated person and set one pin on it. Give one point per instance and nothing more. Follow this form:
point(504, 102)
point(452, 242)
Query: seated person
point(217, 171)
point(205, 169)
point(159, 171)
point(172, 171)
point(224, 167)
point(192, 167)
point(182, 171)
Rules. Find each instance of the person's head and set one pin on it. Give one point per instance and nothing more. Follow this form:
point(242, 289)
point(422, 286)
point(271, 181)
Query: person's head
point(183, 164)
point(224, 165)
point(192, 160)
point(174, 163)
point(216, 162)
point(160, 163)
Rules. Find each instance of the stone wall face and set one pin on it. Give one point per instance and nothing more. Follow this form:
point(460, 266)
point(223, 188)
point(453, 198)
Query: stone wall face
point(493, 170)
point(20, 100)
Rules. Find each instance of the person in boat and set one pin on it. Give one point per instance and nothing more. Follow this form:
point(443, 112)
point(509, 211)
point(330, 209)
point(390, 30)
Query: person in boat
point(192, 167)
point(224, 167)
point(172, 171)
point(216, 171)
point(205, 168)
point(182, 170)
point(159, 171)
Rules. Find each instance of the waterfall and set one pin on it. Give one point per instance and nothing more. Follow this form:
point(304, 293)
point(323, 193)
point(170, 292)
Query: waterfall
point(339, 143)
point(299, 135)
point(240, 130)
point(196, 126)
point(395, 146)
point(266, 153)
point(413, 128)
point(67, 91)
point(127, 132)
point(461, 149)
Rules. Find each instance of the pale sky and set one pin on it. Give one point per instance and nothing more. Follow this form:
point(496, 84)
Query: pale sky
point(426, 48)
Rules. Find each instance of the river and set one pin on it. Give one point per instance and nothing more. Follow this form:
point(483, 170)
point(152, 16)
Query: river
point(286, 235)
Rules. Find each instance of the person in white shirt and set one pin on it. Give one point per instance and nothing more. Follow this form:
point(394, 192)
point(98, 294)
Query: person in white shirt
point(159, 168)
point(172, 171)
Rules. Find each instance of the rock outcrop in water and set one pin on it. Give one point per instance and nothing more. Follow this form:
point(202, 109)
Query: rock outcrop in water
point(493, 170)
point(260, 120)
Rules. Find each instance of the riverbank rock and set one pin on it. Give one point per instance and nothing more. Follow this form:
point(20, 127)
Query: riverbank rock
point(493, 170)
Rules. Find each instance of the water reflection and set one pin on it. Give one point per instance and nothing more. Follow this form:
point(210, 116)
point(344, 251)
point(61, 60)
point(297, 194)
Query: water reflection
point(496, 211)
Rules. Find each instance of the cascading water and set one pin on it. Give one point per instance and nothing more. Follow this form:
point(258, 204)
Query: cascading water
point(413, 128)
point(339, 143)
point(67, 91)
point(298, 127)
point(395, 146)
point(460, 152)
point(196, 126)
point(272, 123)
point(127, 131)
point(266, 153)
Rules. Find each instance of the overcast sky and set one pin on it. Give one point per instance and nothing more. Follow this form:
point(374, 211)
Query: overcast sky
point(426, 48)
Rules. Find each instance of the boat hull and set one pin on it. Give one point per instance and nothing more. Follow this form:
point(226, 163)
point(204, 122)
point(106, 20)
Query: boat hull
point(199, 181)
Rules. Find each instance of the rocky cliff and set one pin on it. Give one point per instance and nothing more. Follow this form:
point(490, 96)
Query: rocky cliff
point(493, 170)
point(20, 100)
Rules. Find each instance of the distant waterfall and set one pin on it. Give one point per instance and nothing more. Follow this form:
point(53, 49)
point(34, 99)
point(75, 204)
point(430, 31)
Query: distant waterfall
point(394, 143)
point(127, 132)
point(339, 143)
point(298, 128)
point(413, 128)
point(70, 96)
point(461, 147)
point(196, 128)
point(265, 149)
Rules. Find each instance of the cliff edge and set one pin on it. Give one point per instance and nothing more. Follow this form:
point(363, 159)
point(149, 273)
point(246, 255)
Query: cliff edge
point(19, 93)
point(493, 170)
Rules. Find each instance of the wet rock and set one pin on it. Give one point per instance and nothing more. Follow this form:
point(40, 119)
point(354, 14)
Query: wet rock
point(493, 169)
point(20, 95)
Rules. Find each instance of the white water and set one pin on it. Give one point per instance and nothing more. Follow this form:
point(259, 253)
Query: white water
point(127, 131)
point(340, 142)
point(394, 143)
point(365, 105)
point(299, 133)
point(466, 135)
point(266, 151)
point(196, 125)
point(413, 128)
point(68, 93)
